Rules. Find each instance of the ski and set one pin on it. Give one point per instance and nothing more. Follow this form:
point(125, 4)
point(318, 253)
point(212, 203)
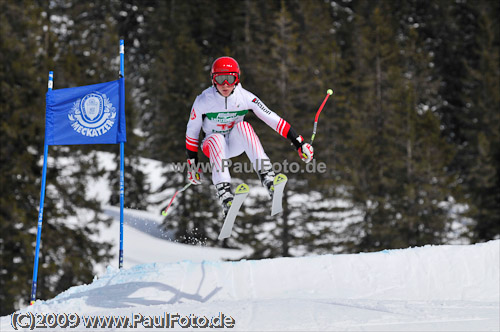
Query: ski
point(279, 185)
point(239, 196)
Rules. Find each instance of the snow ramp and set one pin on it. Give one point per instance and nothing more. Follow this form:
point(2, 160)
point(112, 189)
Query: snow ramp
point(427, 288)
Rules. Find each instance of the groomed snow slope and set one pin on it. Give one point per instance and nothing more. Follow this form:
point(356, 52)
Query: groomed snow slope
point(429, 288)
point(146, 242)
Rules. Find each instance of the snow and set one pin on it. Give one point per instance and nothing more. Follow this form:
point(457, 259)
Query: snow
point(144, 241)
point(431, 288)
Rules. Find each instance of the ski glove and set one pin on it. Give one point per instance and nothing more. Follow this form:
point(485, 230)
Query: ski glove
point(194, 176)
point(306, 151)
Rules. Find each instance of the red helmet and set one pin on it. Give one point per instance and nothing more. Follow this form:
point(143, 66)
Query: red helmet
point(225, 67)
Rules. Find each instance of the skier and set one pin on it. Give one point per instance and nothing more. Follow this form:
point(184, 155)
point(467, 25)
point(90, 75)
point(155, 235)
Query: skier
point(220, 110)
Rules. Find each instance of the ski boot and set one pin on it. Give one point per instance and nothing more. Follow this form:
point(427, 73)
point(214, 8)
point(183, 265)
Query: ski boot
point(225, 195)
point(267, 178)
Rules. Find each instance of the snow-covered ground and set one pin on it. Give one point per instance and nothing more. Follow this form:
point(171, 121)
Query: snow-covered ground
point(144, 241)
point(163, 283)
point(432, 288)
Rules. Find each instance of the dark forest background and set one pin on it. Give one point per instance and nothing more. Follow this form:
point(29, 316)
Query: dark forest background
point(410, 137)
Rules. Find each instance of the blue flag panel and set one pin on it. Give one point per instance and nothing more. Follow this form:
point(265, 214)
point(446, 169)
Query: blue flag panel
point(91, 114)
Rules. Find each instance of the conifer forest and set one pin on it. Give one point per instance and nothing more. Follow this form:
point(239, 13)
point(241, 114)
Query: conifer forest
point(410, 137)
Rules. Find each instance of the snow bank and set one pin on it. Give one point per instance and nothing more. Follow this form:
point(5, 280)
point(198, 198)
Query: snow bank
point(462, 273)
point(145, 241)
point(432, 288)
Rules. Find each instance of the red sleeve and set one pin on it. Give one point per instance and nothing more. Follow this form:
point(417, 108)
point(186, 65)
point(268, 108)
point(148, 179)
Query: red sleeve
point(191, 144)
point(283, 128)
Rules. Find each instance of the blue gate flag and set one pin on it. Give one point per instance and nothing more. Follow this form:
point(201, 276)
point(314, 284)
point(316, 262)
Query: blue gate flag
point(91, 114)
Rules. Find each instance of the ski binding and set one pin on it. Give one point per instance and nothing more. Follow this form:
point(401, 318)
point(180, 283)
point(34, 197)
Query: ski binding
point(279, 186)
point(239, 196)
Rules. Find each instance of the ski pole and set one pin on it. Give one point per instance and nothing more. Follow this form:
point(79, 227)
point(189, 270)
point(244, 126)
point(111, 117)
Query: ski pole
point(164, 212)
point(329, 92)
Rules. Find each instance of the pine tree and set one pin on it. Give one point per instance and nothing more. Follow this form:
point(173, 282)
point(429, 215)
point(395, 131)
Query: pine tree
point(483, 177)
point(174, 76)
point(466, 48)
point(68, 252)
point(399, 177)
point(373, 152)
point(297, 83)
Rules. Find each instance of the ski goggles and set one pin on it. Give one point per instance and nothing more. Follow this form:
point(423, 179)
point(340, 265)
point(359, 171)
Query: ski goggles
point(230, 79)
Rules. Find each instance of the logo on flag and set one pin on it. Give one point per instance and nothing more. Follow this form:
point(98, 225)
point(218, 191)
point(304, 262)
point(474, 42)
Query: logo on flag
point(92, 115)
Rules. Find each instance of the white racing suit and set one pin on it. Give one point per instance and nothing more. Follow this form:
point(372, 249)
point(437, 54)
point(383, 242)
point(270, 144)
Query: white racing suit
point(226, 134)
